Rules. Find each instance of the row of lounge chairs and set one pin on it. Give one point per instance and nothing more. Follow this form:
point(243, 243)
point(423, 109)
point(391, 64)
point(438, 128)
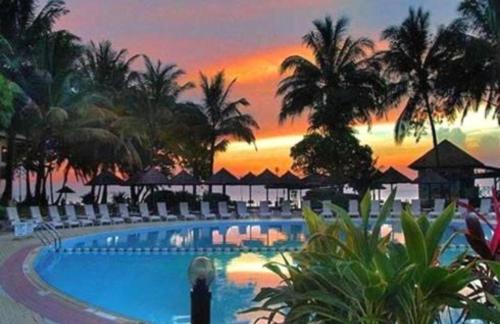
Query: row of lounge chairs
point(70, 218)
point(415, 207)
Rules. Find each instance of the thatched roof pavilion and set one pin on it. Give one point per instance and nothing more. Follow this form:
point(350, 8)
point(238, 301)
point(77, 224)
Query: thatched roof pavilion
point(105, 178)
point(223, 178)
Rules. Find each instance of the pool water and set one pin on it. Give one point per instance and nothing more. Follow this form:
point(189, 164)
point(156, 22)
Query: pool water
point(142, 274)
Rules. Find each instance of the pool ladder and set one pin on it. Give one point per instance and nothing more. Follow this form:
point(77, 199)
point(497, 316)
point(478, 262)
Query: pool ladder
point(48, 235)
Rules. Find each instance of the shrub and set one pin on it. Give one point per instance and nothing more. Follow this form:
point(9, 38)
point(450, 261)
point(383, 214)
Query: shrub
point(349, 273)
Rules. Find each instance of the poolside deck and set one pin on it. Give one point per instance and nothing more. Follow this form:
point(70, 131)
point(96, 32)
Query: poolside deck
point(22, 302)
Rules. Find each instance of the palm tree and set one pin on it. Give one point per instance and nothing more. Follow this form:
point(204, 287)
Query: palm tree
point(340, 86)
point(109, 70)
point(414, 63)
point(21, 27)
point(479, 70)
point(225, 119)
point(149, 110)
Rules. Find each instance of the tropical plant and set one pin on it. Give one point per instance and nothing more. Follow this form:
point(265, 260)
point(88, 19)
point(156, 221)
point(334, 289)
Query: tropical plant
point(225, 119)
point(415, 63)
point(349, 273)
point(340, 86)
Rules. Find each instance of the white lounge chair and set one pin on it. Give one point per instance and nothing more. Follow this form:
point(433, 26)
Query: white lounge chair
point(36, 215)
point(485, 208)
point(55, 216)
point(90, 214)
point(223, 210)
point(286, 209)
point(461, 211)
point(13, 215)
point(438, 207)
point(106, 217)
point(326, 211)
point(241, 209)
point(71, 214)
point(205, 211)
point(125, 214)
point(184, 211)
point(144, 210)
point(163, 212)
point(353, 208)
point(264, 211)
point(416, 209)
point(397, 208)
point(374, 208)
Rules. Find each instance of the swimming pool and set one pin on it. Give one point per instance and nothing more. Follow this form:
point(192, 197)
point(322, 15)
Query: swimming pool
point(142, 273)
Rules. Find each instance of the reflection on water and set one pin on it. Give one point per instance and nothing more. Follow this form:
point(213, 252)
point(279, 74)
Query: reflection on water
point(230, 235)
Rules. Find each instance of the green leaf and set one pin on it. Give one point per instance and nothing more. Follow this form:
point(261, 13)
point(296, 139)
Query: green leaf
point(495, 267)
point(364, 209)
point(414, 240)
point(382, 217)
point(437, 229)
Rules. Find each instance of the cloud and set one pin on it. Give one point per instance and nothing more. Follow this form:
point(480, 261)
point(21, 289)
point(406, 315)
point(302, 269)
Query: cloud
point(454, 135)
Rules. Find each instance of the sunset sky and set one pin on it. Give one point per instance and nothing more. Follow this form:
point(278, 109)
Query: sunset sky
point(249, 39)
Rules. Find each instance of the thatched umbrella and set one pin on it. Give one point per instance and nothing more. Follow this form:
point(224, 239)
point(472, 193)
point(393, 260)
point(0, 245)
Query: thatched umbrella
point(223, 178)
point(184, 179)
point(65, 190)
point(104, 179)
point(248, 180)
point(267, 178)
point(391, 177)
point(150, 178)
point(289, 181)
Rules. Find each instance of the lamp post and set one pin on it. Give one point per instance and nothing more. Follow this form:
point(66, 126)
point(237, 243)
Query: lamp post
point(201, 274)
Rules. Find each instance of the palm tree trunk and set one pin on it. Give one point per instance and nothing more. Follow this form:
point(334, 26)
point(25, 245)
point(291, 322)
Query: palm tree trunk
point(28, 196)
point(212, 157)
point(9, 166)
point(433, 130)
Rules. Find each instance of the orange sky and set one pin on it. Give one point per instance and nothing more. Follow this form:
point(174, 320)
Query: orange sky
point(249, 39)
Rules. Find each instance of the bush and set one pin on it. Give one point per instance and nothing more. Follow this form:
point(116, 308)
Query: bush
point(172, 199)
point(349, 273)
point(316, 196)
point(214, 197)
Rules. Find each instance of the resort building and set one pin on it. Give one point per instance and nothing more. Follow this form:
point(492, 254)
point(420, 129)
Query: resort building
point(453, 177)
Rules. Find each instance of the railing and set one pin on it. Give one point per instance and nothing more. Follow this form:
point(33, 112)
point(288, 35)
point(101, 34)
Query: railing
point(48, 235)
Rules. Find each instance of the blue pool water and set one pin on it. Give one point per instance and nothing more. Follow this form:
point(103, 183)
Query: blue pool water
point(142, 273)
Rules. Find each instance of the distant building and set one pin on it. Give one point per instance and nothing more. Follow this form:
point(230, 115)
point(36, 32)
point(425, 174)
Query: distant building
point(453, 178)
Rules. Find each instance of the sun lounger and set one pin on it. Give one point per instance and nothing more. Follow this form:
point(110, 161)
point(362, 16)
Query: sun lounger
point(397, 208)
point(13, 215)
point(461, 211)
point(90, 214)
point(241, 209)
point(105, 215)
point(223, 211)
point(184, 211)
point(485, 208)
point(438, 207)
point(286, 209)
point(144, 210)
point(36, 215)
point(56, 218)
point(21, 228)
point(264, 211)
point(353, 208)
point(416, 209)
point(163, 212)
point(125, 214)
point(326, 211)
point(205, 211)
point(71, 214)
point(306, 204)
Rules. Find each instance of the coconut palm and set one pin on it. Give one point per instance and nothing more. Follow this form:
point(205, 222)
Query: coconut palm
point(339, 85)
point(108, 69)
point(225, 119)
point(22, 24)
point(149, 107)
point(414, 63)
point(479, 70)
